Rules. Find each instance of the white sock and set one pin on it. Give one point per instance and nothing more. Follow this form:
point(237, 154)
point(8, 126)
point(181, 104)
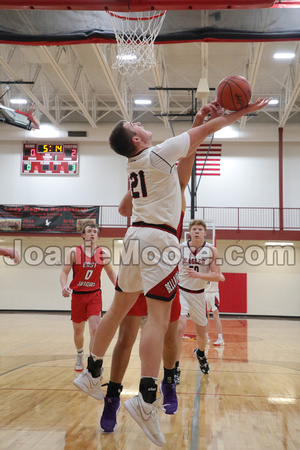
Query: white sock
point(80, 350)
point(95, 357)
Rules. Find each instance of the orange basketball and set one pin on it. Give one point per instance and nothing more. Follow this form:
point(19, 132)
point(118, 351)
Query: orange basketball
point(234, 93)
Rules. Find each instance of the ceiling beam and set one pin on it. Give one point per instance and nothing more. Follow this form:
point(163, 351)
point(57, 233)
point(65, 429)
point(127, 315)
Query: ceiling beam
point(64, 79)
point(291, 87)
point(252, 69)
point(110, 79)
point(290, 104)
point(160, 77)
point(204, 69)
point(29, 93)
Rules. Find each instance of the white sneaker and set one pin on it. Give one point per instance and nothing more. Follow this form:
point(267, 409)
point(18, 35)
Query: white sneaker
point(91, 386)
point(79, 362)
point(146, 416)
point(219, 341)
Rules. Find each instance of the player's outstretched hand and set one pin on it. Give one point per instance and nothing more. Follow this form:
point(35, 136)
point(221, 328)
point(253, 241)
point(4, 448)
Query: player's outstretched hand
point(259, 104)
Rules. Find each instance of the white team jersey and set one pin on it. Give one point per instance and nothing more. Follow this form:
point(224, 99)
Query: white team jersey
point(199, 261)
point(213, 286)
point(156, 194)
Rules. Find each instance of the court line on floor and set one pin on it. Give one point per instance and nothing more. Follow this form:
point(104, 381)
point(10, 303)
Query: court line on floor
point(196, 414)
point(218, 394)
point(18, 348)
point(29, 364)
point(195, 421)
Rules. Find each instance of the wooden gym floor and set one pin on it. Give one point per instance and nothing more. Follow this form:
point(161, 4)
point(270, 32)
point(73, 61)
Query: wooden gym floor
point(250, 399)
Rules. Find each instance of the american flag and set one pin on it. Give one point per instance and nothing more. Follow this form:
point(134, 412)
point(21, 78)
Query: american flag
point(212, 165)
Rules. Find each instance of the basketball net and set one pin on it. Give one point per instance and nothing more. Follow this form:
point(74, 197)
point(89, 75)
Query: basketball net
point(135, 34)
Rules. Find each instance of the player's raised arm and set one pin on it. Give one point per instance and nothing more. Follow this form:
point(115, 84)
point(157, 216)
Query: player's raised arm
point(185, 165)
point(198, 134)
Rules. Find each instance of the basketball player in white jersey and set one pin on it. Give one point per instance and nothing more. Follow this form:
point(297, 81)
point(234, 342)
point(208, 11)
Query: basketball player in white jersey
point(147, 265)
point(212, 297)
point(129, 326)
point(197, 268)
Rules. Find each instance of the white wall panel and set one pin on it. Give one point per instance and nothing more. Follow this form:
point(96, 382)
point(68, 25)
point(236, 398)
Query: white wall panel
point(291, 175)
point(249, 177)
point(101, 180)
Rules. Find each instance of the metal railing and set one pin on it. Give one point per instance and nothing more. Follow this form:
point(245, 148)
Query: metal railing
point(234, 218)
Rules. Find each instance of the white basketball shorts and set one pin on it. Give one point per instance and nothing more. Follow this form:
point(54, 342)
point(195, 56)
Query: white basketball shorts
point(149, 263)
point(194, 305)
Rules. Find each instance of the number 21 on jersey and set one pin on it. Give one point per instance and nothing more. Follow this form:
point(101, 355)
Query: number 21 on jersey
point(138, 184)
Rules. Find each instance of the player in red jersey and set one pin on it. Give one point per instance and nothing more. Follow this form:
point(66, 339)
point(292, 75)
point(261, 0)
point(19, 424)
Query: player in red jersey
point(87, 262)
point(130, 325)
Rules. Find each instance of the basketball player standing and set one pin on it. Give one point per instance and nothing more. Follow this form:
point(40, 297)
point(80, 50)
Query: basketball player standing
point(87, 262)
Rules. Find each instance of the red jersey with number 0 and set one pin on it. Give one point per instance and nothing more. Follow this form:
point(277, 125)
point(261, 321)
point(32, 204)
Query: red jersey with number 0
point(87, 270)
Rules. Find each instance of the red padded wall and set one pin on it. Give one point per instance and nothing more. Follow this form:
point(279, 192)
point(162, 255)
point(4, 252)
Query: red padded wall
point(233, 293)
point(135, 5)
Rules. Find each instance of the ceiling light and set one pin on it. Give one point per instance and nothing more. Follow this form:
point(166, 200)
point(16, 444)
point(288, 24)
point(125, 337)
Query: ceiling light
point(284, 55)
point(142, 102)
point(18, 101)
point(282, 244)
point(274, 102)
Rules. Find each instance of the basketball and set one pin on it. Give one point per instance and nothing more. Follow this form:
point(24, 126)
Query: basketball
point(234, 93)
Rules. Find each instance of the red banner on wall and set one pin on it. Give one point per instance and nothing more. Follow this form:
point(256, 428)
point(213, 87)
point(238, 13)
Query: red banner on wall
point(46, 219)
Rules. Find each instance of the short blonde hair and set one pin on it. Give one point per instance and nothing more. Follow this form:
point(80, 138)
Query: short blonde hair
point(199, 222)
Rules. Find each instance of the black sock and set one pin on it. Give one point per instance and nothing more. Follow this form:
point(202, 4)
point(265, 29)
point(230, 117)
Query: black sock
point(176, 364)
point(200, 353)
point(148, 389)
point(169, 375)
point(114, 389)
point(94, 367)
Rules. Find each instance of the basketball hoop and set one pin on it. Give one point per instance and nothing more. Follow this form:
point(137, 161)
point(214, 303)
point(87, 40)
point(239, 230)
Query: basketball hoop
point(135, 34)
point(28, 120)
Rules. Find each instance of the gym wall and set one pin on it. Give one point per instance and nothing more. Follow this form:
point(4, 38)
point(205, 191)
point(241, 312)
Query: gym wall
point(249, 177)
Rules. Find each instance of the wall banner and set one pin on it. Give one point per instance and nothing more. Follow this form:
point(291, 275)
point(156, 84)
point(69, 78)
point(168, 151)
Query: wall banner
point(46, 219)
